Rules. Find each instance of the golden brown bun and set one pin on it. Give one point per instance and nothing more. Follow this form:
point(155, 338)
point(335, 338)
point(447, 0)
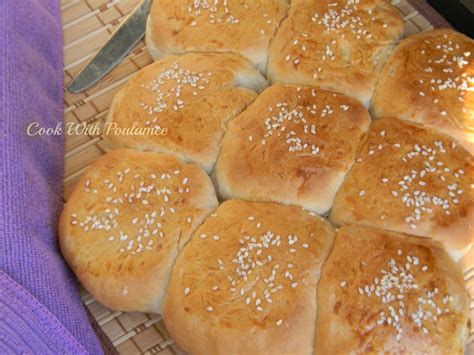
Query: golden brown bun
point(382, 292)
point(297, 153)
point(410, 179)
point(335, 44)
point(177, 26)
point(192, 96)
point(126, 221)
point(274, 254)
point(429, 79)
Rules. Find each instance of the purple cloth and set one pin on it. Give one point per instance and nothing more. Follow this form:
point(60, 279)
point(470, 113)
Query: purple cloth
point(40, 307)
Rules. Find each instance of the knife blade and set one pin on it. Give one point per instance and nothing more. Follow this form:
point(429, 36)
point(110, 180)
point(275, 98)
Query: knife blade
point(121, 42)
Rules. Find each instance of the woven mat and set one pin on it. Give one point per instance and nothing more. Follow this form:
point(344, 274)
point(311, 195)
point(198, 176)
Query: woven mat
point(87, 24)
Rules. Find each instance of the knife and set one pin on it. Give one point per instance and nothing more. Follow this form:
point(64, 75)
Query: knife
point(122, 41)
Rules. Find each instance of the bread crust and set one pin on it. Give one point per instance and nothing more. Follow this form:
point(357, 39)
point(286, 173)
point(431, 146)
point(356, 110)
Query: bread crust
point(177, 27)
point(293, 145)
point(383, 292)
point(410, 179)
point(192, 96)
point(273, 253)
point(337, 45)
point(431, 77)
point(121, 242)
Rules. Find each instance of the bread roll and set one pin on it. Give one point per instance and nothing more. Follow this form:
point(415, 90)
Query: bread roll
point(293, 145)
point(339, 45)
point(431, 75)
point(126, 221)
point(246, 281)
point(410, 179)
point(244, 27)
point(399, 295)
point(192, 96)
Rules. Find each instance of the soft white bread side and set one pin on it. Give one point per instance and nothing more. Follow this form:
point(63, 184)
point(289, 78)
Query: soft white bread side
point(293, 145)
point(126, 221)
point(246, 281)
point(429, 80)
point(383, 292)
point(177, 27)
point(410, 179)
point(192, 96)
point(339, 45)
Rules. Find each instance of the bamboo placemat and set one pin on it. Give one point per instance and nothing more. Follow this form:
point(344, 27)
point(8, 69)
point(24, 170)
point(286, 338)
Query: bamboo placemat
point(87, 24)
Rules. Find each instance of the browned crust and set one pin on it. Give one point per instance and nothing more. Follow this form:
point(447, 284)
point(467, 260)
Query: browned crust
point(128, 279)
point(233, 327)
point(173, 29)
point(374, 195)
point(423, 82)
point(347, 316)
point(299, 53)
point(254, 165)
point(227, 84)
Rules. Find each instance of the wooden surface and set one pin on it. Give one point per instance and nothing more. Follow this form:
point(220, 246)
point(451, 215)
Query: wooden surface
point(87, 24)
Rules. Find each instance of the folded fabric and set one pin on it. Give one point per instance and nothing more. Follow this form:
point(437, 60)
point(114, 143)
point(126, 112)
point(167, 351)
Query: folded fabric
point(40, 307)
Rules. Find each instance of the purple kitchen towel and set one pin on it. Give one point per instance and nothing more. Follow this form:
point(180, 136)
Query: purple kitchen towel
point(40, 307)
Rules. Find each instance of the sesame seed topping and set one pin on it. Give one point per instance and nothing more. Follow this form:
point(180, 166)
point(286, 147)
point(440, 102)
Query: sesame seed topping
point(175, 79)
point(253, 274)
point(424, 162)
point(149, 196)
point(293, 125)
point(390, 290)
